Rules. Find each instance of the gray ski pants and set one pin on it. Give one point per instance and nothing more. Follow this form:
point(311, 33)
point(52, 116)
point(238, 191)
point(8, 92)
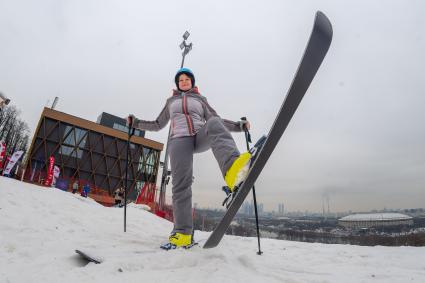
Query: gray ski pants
point(212, 135)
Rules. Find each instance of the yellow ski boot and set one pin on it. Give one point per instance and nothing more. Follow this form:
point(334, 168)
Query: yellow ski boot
point(238, 171)
point(180, 240)
point(177, 240)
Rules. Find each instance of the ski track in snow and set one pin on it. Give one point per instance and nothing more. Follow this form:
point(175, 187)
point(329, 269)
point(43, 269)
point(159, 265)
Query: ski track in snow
point(40, 228)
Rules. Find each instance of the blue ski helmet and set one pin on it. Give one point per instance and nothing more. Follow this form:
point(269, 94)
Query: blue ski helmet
point(188, 73)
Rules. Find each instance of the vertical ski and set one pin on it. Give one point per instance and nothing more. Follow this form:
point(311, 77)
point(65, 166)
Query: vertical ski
point(315, 52)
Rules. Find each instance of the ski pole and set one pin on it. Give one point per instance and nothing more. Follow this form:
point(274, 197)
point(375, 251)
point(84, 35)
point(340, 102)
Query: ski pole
point(248, 140)
point(130, 133)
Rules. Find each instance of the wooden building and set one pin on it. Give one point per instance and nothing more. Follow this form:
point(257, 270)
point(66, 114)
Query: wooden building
point(93, 154)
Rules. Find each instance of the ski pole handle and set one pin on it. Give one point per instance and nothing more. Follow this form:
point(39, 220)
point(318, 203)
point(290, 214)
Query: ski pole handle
point(130, 124)
point(247, 134)
point(130, 120)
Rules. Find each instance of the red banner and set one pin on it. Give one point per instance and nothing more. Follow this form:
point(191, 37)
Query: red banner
point(2, 153)
point(49, 178)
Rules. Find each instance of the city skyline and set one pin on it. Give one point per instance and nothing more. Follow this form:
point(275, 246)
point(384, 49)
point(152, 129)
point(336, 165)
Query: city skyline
point(275, 212)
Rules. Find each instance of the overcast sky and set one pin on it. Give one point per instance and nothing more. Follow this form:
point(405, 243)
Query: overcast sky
point(358, 136)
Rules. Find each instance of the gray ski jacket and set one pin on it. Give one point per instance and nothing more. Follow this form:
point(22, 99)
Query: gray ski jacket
point(188, 112)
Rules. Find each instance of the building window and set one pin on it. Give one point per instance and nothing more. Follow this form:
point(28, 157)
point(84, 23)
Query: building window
point(124, 129)
point(120, 127)
point(74, 142)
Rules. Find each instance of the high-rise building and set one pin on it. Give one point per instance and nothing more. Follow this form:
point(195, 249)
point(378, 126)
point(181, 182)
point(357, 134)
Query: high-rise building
point(281, 209)
point(118, 123)
point(260, 208)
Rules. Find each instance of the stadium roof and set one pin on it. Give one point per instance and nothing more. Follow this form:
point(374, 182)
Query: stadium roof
point(376, 217)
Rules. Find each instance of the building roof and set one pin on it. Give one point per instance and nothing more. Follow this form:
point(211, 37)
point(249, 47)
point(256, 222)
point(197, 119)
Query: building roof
point(375, 217)
point(86, 124)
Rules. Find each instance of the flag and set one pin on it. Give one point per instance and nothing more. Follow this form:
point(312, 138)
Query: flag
point(49, 178)
point(12, 162)
point(2, 153)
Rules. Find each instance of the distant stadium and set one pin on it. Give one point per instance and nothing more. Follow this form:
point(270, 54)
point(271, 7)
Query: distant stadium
point(375, 220)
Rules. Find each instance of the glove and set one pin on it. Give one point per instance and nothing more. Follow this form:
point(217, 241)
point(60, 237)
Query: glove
point(130, 120)
point(244, 125)
point(3, 100)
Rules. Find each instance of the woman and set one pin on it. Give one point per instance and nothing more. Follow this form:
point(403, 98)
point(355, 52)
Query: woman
point(195, 127)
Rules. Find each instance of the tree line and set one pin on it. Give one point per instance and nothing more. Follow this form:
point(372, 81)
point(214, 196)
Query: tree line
point(13, 130)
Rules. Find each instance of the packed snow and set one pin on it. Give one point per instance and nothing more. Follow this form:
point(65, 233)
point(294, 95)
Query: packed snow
point(40, 228)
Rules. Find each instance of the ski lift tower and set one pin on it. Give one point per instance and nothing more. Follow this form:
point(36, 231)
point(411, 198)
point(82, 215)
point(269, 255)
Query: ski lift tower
point(185, 47)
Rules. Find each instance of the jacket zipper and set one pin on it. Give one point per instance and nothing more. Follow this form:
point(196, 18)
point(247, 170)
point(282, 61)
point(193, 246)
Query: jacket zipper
point(188, 120)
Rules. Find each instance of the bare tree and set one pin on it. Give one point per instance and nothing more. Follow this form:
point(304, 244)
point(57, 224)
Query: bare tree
point(13, 131)
point(8, 121)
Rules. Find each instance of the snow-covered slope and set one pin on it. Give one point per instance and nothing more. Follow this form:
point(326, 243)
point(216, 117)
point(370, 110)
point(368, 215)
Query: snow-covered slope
point(40, 229)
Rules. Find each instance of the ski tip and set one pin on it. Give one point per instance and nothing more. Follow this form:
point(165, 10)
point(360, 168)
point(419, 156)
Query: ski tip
point(324, 23)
